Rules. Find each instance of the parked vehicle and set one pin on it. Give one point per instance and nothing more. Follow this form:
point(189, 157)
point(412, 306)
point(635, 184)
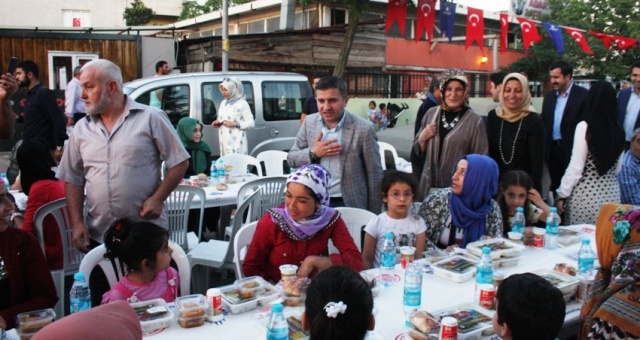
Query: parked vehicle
point(275, 98)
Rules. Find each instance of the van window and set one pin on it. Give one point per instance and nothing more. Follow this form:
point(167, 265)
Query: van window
point(283, 100)
point(212, 98)
point(173, 100)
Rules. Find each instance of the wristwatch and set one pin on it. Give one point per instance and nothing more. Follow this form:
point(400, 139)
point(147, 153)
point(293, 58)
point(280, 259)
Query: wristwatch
point(314, 158)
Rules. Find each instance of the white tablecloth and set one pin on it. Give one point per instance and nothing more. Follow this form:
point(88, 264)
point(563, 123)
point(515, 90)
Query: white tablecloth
point(437, 294)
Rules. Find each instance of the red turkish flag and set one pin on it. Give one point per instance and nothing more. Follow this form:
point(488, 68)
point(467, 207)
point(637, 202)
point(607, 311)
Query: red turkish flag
point(579, 37)
point(529, 32)
point(396, 9)
point(504, 30)
point(425, 18)
point(475, 27)
point(605, 38)
point(624, 43)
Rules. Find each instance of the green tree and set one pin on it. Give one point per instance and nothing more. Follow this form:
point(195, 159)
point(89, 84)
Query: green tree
point(191, 8)
point(138, 14)
point(615, 17)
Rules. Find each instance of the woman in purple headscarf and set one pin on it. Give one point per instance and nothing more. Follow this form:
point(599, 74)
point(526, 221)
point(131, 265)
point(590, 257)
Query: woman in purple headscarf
point(298, 231)
point(465, 212)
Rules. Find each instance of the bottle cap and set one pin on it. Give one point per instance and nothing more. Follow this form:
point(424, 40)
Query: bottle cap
point(554, 209)
point(586, 241)
point(519, 209)
point(486, 250)
point(388, 235)
point(213, 292)
point(78, 276)
point(277, 308)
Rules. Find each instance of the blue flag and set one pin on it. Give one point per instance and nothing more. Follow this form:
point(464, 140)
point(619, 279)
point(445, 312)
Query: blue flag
point(555, 33)
point(447, 18)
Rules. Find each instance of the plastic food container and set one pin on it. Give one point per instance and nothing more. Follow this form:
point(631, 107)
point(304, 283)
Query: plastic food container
point(456, 268)
point(566, 283)
point(235, 304)
point(499, 248)
point(434, 255)
point(250, 286)
point(191, 310)
point(500, 262)
point(294, 290)
point(153, 314)
point(29, 323)
point(472, 323)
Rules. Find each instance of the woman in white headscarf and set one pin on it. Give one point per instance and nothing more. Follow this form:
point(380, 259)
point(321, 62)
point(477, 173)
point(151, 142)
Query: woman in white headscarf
point(234, 117)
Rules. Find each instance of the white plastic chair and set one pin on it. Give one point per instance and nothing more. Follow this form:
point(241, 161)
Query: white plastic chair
point(96, 257)
point(241, 245)
point(218, 254)
point(355, 219)
point(240, 164)
point(71, 255)
point(178, 205)
point(400, 163)
point(273, 162)
point(271, 194)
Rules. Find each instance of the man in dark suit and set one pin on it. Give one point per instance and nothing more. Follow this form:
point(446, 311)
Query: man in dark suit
point(629, 104)
point(561, 112)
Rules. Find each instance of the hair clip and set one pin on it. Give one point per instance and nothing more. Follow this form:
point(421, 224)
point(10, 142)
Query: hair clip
point(172, 282)
point(118, 226)
point(115, 240)
point(333, 308)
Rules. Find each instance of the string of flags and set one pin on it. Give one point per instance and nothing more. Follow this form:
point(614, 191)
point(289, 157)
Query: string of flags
point(425, 21)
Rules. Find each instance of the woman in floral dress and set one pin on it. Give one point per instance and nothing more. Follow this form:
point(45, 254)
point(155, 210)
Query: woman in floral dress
point(234, 117)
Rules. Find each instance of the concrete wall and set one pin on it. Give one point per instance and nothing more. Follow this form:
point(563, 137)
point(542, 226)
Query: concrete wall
point(154, 50)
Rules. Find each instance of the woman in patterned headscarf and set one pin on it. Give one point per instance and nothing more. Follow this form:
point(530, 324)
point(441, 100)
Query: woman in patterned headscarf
point(234, 117)
point(447, 133)
point(298, 231)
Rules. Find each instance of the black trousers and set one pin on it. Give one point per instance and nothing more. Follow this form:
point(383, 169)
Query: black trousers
point(558, 163)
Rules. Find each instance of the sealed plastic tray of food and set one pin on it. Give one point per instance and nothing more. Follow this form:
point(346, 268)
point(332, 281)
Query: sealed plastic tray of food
point(153, 314)
point(566, 283)
point(192, 310)
point(236, 302)
point(500, 262)
point(568, 236)
point(434, 255)
point(456, 268)
point(473, 323)
point(29, 323)
point(500, 247)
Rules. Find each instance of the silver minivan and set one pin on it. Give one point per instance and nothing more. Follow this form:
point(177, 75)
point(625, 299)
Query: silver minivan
point(275, 98)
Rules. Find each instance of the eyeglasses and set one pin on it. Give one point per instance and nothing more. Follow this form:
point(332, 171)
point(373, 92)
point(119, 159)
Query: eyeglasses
point(397, 195)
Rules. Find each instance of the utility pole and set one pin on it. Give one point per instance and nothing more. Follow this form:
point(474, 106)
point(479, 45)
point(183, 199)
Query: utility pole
point(225, 35)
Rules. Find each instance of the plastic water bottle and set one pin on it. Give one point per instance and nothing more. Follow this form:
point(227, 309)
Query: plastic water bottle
point(585, 257)
point(388, 260)
point(412, 296)
point(553, 223)
point(518, 221)
point(484, 271)
point(214, 171)
point(80, 295)
point(221, 171)
point(277, 328)
point(6, 181)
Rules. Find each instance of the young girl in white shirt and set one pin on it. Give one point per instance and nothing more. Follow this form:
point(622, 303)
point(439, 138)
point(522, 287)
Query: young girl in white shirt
point(398, 190)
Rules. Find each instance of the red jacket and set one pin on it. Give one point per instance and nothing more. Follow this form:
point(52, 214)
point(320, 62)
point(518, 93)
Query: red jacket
point(41, 193)
point(271, 247)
